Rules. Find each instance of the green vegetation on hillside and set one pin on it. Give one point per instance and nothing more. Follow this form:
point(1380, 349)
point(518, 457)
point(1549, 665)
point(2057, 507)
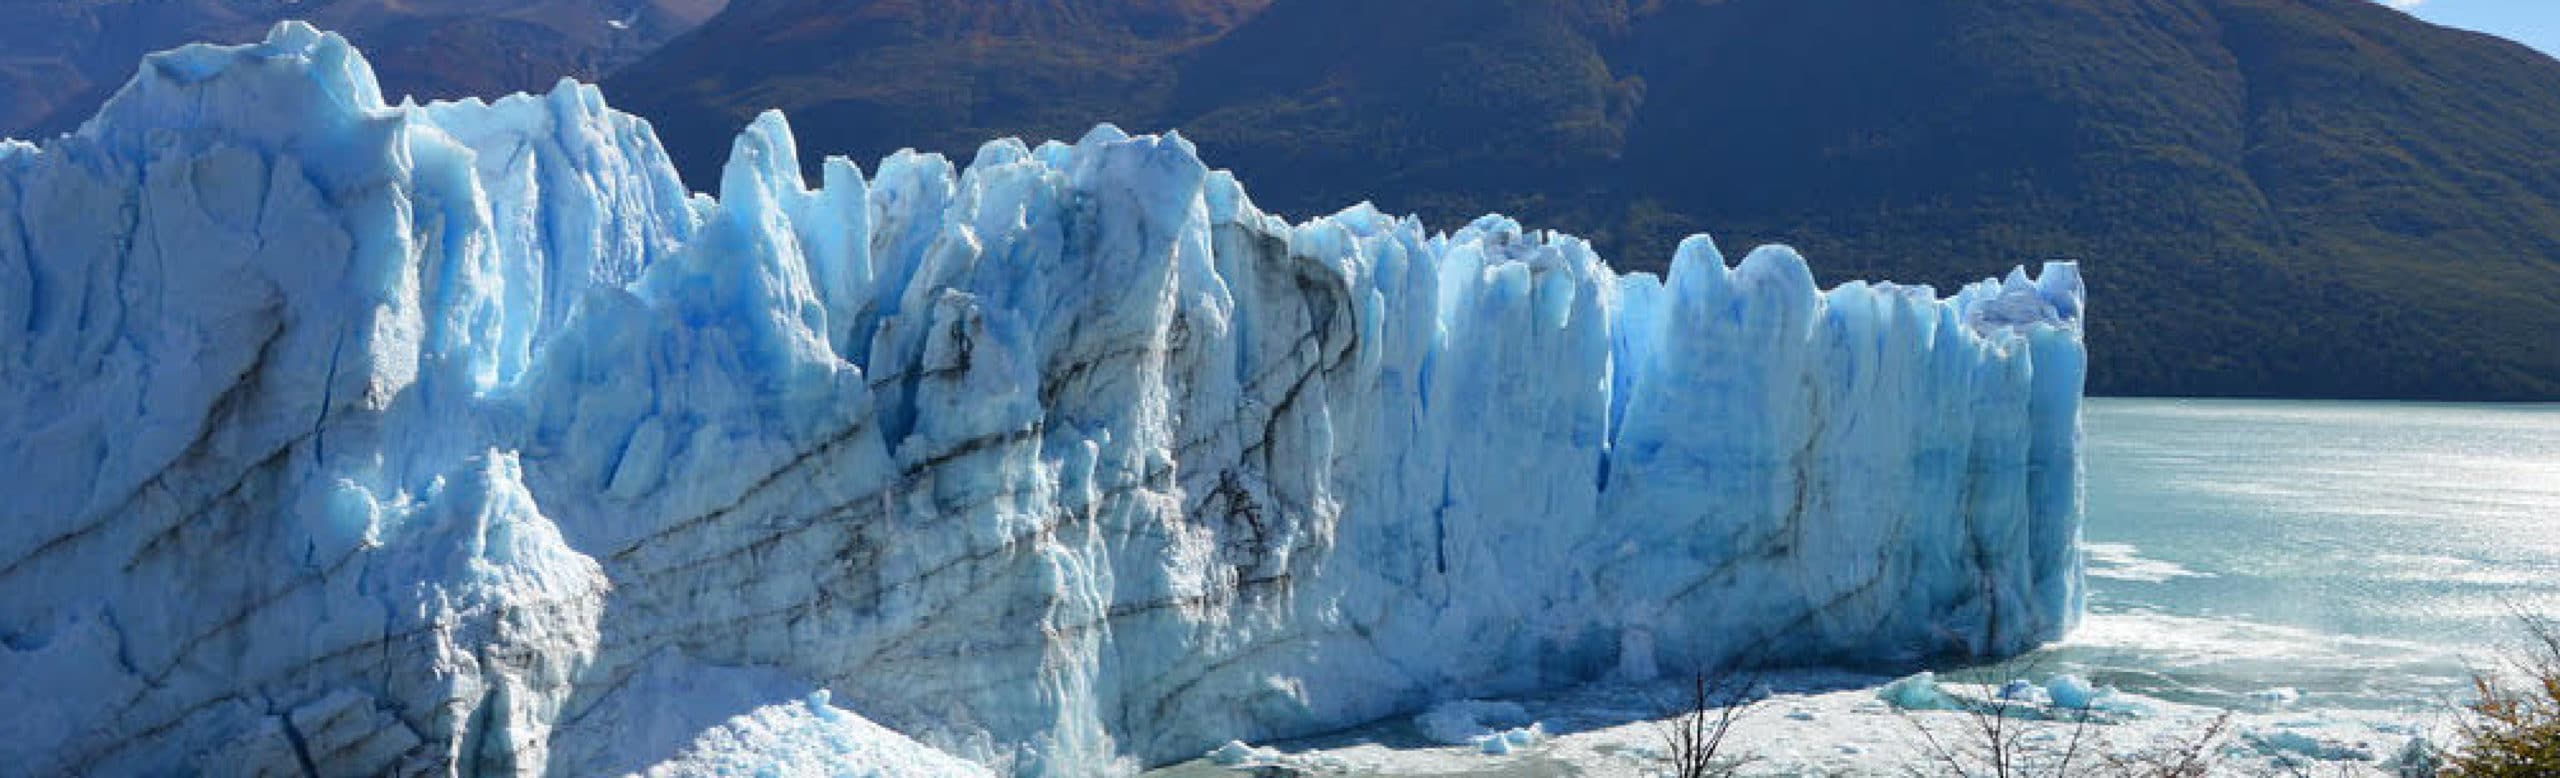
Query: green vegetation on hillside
point(2310, 198)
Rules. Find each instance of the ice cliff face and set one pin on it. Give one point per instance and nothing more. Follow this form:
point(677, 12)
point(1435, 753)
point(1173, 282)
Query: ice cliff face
point(359, 438)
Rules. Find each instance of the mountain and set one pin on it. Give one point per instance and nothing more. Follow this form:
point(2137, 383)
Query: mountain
point(2308, 198)
point(941, 75)
point(59, 59)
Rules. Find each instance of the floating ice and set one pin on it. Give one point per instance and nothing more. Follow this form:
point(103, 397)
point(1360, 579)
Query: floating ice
point(1237, 754)
point(2276, 697)
point(458, 437)
point(2074, 692)
point(1463, 722)
point(2289, 746)
point(2417, 758)
point(1918, 692)
point(2062, 696)
point(1509, 740)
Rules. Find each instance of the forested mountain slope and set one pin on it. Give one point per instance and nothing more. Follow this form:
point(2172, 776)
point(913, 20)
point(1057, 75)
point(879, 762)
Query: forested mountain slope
point(2272, 197)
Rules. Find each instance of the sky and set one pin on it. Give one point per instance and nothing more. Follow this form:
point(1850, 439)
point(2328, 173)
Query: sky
point(2534, 23)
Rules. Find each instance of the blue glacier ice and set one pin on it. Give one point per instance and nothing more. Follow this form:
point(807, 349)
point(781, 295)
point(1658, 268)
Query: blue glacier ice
point(462, 438)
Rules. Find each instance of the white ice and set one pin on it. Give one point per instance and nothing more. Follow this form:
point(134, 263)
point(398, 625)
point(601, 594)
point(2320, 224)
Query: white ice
point(452, 438)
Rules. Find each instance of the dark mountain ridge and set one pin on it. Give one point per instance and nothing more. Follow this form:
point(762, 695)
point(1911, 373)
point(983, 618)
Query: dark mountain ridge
point(60, 59)
point(2306, 198)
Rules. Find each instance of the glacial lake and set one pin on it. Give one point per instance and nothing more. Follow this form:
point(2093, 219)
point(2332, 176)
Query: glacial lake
point(2365, 555)
point(2332, 570)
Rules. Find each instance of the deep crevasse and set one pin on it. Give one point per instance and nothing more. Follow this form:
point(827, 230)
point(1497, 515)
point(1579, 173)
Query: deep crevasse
point(460, 437)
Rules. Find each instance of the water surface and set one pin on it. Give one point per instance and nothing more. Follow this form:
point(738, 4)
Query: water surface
point(2366, 555)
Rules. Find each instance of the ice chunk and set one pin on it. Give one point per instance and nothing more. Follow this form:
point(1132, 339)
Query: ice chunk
point(2276, 697)
point(1510, 740)
point(2291, 747)
point(1918, 692)
point(811, 737)
point(1236, 754)
point(1464, 722)
point(2417, 758)
point(2074, 693)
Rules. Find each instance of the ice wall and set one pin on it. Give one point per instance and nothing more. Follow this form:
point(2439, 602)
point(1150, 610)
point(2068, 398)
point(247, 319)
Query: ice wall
point(460, 438)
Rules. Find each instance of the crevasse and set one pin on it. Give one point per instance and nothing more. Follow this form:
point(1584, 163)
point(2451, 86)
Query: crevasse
point(461, 438)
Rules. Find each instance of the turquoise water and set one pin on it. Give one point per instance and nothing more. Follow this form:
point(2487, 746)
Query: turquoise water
point(2366, 555)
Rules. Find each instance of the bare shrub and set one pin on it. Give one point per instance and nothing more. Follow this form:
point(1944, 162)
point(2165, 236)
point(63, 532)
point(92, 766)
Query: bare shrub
point(1997, 733)
point(1694, 737)
point(2190, 756)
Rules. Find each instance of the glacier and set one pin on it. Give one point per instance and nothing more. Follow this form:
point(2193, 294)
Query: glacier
point(349, 437)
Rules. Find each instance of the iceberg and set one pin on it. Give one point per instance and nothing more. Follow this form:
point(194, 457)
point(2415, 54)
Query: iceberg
point(350, 437)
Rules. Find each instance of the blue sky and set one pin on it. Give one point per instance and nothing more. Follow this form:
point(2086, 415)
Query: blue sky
point(2534, 23)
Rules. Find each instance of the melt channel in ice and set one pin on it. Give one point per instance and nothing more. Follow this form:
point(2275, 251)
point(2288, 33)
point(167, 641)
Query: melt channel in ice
point(376, 438)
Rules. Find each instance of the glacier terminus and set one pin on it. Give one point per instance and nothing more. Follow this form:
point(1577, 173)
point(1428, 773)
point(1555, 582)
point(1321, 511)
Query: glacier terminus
point(346, 437)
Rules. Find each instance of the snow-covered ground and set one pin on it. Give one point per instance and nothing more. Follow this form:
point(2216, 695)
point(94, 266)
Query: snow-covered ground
point(1840, 724)
point(811, 737)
